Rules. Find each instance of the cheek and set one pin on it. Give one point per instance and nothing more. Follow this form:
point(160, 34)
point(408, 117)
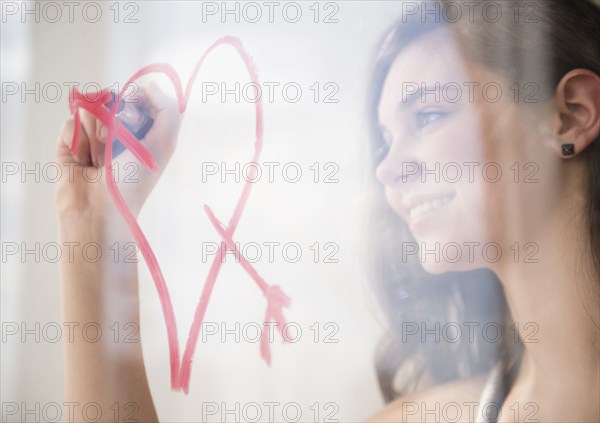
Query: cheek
point(458, 152)
point(478, 208)
point(457, 143)
point(461, 148)
point(510, 158)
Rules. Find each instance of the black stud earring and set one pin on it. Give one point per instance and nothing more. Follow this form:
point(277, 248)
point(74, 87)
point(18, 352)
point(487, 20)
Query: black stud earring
point(568, 149)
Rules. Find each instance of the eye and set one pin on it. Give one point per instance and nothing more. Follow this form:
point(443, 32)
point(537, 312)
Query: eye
point(428, 117)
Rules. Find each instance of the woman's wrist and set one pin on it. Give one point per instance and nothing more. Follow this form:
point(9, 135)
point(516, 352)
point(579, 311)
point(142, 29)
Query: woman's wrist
point(92, 226)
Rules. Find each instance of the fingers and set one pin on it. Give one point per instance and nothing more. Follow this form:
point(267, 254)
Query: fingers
point(161, 138)
point(90, 151)
point(65, 138)
point(101, 132)
point(95, 147)
point(82, 155)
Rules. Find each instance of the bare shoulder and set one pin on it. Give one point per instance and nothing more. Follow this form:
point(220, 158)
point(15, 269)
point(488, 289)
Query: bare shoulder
point(454, 401)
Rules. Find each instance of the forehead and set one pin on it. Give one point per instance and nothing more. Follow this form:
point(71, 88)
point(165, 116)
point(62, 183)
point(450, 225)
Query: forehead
point(433, 58)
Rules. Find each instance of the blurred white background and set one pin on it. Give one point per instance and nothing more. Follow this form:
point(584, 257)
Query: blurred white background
point(307, 212)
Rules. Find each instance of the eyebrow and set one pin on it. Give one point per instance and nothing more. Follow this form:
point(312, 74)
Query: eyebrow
point(412, 97)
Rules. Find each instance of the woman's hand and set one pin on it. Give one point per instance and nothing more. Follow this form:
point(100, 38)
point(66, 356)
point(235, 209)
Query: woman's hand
point(104, 291)
point(82, 189)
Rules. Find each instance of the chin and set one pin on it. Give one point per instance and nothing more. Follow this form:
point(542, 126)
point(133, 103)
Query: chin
point(447, 252)
point(438, 268)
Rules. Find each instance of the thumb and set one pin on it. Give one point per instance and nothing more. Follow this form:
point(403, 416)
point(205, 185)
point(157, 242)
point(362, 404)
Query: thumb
point(157, 100)
point(162, 136)
point(65, 140)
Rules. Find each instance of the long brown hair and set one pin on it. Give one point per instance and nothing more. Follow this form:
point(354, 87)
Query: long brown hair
point(566, 34)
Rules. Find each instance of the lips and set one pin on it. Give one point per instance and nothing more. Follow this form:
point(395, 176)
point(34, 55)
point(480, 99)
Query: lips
point(417, 206)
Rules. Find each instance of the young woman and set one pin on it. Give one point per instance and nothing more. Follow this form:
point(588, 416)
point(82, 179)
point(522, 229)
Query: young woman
point(486, 158)
point(484, 231)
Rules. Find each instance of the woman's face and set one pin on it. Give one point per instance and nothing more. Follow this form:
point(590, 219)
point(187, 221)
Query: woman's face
point(464, 160)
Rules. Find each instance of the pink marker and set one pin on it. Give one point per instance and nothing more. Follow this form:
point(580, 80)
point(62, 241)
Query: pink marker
point(134, 115)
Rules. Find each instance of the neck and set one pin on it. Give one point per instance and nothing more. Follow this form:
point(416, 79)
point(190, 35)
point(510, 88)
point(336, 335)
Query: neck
point(554, 304)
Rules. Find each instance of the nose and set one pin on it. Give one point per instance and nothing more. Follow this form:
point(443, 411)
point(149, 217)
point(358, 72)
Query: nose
point(398, 167)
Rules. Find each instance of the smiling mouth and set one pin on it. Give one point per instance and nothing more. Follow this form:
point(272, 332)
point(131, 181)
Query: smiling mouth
point(429, 206)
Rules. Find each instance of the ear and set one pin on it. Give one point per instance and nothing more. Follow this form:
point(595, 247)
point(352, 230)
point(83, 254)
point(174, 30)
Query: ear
point(577, 122)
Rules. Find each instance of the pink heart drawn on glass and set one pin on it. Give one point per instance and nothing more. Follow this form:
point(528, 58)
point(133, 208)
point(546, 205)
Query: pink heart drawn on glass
point(276, 298)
